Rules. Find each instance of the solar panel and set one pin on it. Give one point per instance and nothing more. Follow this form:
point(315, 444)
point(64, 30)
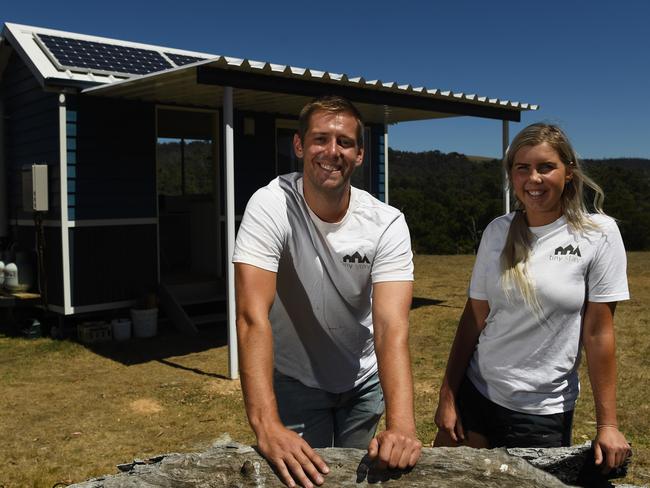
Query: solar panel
point(181, 59)
point(76, 54)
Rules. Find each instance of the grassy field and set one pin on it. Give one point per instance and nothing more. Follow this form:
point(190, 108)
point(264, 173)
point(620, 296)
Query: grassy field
point(69, 412)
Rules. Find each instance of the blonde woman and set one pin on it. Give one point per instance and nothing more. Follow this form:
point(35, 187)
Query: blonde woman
point(545, 283)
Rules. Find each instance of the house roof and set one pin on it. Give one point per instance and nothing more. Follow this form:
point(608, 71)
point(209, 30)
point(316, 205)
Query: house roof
point(120, 69)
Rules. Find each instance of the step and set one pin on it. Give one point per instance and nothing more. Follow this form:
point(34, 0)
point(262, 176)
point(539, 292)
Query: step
point(193, 293)
point(209, 318)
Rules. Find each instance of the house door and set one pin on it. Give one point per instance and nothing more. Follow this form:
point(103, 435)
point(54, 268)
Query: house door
point(188, 195)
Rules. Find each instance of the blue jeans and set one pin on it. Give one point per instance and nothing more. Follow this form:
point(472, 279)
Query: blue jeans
point(325, 419)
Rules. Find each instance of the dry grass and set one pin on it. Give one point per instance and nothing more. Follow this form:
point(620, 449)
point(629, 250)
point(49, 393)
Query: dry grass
point(445, 278)
point(68, 412)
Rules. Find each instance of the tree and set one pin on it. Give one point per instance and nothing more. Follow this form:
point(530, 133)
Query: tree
point(448, 199)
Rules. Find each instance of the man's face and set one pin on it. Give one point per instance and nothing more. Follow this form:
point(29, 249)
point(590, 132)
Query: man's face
point(330, 150)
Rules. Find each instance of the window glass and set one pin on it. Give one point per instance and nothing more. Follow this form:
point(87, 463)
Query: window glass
point(185, 167)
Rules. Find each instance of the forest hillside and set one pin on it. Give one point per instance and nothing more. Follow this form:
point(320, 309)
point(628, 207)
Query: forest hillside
point(448, 199)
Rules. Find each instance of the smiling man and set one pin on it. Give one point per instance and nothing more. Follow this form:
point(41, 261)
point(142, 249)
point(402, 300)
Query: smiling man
point(323, 276)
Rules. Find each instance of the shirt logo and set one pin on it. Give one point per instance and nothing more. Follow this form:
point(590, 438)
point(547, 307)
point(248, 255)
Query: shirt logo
point(356, 261)
point(568, 254)
point(356, 258)
point(568, 250)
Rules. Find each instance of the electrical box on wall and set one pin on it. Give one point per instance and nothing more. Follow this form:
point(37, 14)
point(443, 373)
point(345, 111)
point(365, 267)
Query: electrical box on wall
point(35, 191)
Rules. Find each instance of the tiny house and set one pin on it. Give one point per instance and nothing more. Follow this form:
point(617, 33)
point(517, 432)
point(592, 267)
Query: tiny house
point(152, 153)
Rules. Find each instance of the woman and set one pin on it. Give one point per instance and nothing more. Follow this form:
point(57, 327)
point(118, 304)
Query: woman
point(546, 280)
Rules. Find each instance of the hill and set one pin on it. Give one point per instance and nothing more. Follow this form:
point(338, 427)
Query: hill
point(448, 199)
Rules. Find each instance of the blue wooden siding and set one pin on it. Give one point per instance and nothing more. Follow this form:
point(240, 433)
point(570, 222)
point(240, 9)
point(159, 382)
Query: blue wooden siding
point(111, 175)
point(32, 134)
point(112, 263)
point(111, 159)
point(254, 156)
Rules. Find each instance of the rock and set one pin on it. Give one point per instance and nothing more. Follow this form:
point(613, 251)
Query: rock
point(232, 465)
point(573, 465)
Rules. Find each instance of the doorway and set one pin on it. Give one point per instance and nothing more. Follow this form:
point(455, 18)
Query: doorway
point(188, 187)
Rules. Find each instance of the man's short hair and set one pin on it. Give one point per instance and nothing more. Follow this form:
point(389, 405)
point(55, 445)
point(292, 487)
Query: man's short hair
point(332, 104)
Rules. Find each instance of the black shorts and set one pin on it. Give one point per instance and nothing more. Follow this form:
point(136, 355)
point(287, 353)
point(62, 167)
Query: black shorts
point(506, 428)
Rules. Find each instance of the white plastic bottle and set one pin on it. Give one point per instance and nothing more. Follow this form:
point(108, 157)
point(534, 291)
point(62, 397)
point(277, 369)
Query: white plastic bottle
point(11, 277)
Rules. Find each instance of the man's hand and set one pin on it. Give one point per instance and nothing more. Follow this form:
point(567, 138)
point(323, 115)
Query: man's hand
point(395, 449)
point(294, 460)
point(610, 448)
point(448, 420)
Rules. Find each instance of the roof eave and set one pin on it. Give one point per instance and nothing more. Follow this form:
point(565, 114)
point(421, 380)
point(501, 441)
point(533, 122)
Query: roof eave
point(26, 58)
point(388, 97)
point(398, 104)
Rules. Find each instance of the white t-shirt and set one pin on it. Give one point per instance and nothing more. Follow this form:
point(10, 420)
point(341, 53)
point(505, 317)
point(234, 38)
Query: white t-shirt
point(322, 312)
point(519, 362)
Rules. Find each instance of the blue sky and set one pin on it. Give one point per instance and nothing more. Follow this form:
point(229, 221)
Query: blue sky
point(586, 63)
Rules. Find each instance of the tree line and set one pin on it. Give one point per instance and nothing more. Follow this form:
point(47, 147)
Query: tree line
point(448, 199)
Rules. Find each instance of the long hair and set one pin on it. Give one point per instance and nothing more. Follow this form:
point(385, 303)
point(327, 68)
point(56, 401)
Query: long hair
point(516, 251)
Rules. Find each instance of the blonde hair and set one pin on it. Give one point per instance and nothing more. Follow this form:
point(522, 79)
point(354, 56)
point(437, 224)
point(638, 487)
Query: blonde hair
point(516, 251)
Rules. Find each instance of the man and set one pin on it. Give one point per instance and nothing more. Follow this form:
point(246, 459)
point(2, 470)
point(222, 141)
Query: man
point(323, 275)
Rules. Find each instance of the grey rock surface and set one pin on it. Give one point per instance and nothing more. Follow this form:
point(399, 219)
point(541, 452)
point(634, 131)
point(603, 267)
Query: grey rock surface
point(232, 465)
point(573, 465)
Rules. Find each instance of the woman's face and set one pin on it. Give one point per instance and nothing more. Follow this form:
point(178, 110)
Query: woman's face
point(538, 178)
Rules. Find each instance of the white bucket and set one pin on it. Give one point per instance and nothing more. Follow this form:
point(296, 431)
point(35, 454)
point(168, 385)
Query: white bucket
point(121, 329)
point(145, 322)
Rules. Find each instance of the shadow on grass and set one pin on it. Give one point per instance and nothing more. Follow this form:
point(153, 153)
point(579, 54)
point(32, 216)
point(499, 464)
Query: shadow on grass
point(425, 302)
point(167, 362)
point(167, 344)
point(170, 343)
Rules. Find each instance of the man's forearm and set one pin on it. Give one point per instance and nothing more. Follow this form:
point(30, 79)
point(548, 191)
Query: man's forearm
point(256, 372)
point(255, 291)
point(394, 364)
point(390, 307)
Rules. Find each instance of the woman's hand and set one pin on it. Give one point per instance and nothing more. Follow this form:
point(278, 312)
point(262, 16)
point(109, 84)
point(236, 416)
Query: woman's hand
point(448, 420)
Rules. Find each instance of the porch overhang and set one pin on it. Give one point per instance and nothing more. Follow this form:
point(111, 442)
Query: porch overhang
point(245, 85)
point(262, 87)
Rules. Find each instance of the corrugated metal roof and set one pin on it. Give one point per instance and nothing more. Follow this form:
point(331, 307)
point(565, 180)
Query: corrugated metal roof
point(256, 91)
point(391, 103)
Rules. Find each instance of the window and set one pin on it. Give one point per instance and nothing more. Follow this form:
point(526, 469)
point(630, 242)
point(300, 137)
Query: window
point(185, 167)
